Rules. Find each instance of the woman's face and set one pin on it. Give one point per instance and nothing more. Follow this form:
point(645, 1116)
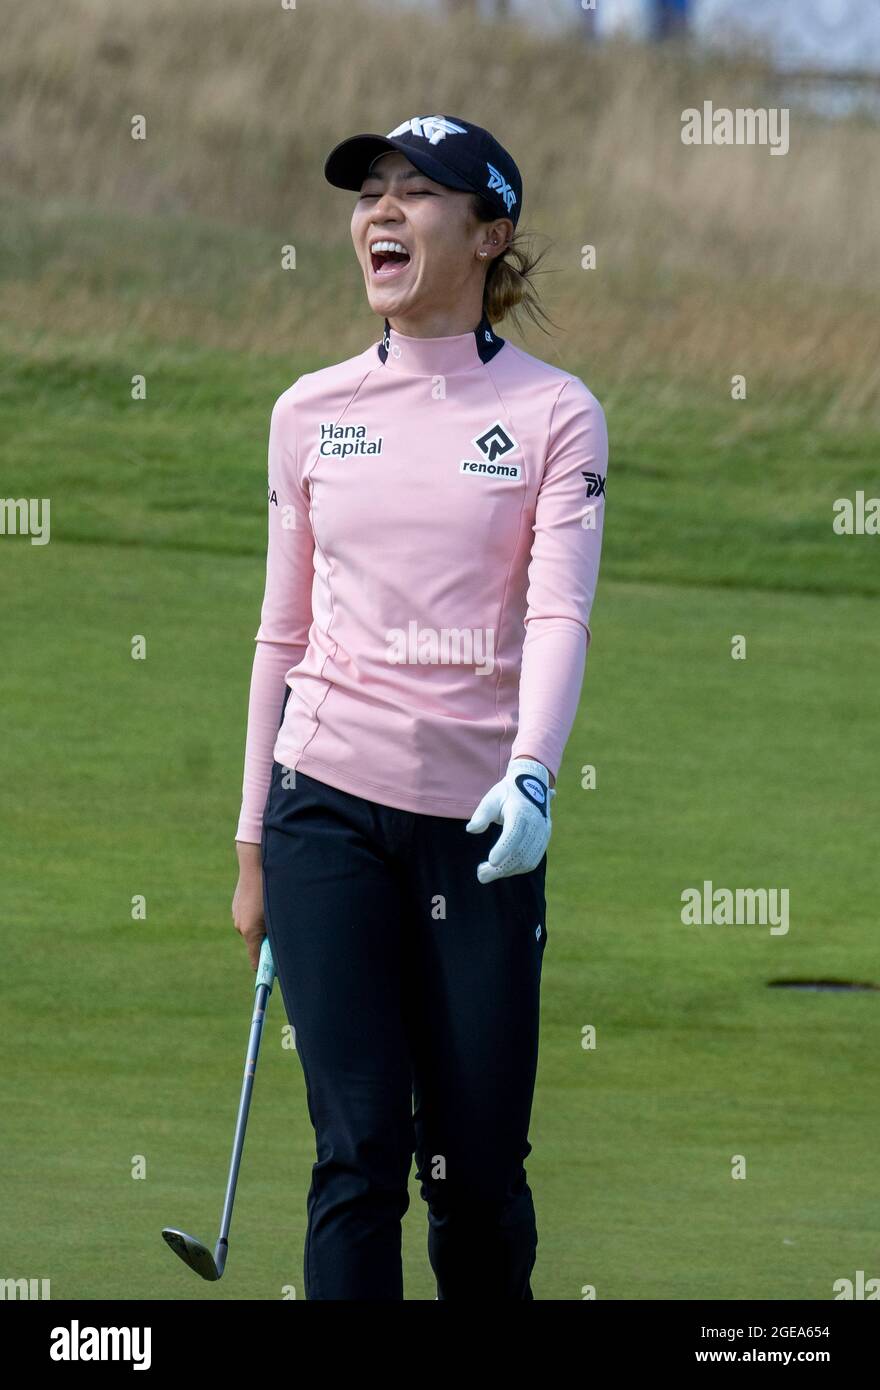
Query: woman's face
point(435, 227)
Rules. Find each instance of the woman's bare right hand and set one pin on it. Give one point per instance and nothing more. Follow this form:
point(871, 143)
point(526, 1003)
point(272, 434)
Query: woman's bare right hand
point(247, 900)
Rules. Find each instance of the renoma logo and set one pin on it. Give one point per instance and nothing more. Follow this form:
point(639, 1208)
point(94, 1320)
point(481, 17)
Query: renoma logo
point(430, 128)
point(495, 441)
point(493, 444)
point(499, 184)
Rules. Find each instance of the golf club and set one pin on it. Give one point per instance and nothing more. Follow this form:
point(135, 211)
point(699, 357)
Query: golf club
point(190, 1250)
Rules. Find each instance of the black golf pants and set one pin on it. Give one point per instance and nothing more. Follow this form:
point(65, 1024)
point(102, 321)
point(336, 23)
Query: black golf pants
point(413, 991)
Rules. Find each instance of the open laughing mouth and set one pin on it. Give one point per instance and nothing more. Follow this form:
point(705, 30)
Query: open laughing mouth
point(388, 258)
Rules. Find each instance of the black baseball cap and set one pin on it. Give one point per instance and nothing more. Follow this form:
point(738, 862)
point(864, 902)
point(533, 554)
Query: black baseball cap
point(449, 150)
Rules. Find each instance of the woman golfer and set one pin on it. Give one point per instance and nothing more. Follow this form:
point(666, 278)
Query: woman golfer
point(435, 521)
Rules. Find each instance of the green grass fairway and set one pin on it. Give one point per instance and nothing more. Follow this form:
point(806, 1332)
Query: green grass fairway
point(124, 1039)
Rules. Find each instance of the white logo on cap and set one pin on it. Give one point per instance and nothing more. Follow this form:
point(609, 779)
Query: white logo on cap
point(498, 184)
point(430, 128)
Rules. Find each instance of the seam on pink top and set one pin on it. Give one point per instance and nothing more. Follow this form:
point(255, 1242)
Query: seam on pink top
point(316, 714)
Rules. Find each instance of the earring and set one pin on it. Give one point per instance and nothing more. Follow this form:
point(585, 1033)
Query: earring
point(482, 253)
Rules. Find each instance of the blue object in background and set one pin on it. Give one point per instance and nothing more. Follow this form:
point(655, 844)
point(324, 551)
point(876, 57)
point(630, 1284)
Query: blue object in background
point(670, 18)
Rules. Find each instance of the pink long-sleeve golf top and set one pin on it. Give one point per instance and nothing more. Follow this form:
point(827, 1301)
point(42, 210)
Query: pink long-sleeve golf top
point(436, 508)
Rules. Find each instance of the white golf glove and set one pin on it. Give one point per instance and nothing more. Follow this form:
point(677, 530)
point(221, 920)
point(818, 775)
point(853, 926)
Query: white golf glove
point(520, 803)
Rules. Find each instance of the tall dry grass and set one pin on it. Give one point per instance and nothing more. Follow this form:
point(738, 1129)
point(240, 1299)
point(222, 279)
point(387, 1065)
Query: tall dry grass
point(710, 260)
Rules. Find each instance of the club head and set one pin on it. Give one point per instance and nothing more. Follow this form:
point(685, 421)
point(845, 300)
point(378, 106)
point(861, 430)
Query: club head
point(194, 1253)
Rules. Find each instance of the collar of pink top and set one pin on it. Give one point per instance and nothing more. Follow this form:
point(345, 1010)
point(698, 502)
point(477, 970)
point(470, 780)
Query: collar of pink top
point(439, 356)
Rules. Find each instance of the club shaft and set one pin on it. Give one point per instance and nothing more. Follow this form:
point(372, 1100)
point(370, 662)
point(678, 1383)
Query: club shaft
point(261, 1000)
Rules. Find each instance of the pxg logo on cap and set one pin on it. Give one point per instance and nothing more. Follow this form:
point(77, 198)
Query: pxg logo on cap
point(430, 128)
point(471, 160)
point(446, 149)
